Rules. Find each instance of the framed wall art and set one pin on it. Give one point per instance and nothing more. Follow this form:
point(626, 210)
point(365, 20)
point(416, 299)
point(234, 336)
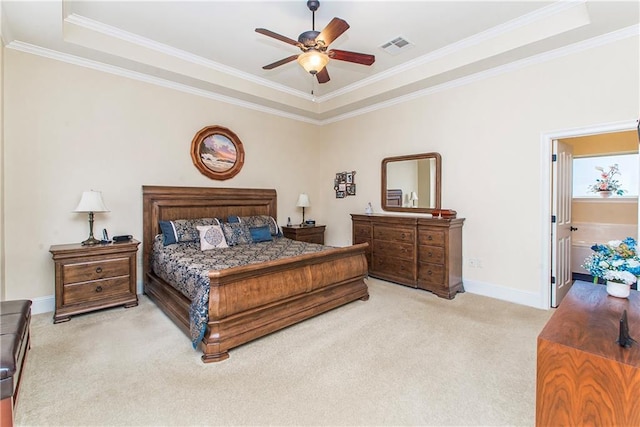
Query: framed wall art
point(344, 184)
point(217, 152)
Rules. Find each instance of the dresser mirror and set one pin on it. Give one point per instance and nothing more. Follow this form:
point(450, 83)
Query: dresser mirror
point(411, 183)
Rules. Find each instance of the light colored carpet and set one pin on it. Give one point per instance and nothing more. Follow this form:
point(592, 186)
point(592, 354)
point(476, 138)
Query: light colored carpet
point(405, 357)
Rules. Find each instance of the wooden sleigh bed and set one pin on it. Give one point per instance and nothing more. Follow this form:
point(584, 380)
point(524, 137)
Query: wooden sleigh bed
point(248, 302)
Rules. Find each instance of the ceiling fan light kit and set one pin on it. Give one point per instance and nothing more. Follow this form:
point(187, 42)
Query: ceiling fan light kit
point(313, 61)
point(314, 44)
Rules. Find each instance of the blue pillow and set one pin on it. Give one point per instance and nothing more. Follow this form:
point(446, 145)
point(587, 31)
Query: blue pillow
point(260, 234)
point(233, 218)
point(168, 233)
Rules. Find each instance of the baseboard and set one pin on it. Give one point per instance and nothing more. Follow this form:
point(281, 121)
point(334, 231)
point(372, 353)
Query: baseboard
point(531, 299)
point(43, 304)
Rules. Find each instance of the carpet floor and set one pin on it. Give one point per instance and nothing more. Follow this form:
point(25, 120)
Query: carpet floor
point(404, 357)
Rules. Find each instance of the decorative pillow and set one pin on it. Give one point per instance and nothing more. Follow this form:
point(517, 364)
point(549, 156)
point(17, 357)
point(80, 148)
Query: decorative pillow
point(236, 233)
point(261, 221)
point(184, 230)
point(233, 218)
point(260, 234)
point(169, 236)
point(211, 237)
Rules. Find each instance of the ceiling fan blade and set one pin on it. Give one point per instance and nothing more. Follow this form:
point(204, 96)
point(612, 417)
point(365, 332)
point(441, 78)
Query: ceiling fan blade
point(281, 62)
point(323, 75)
point(278, 36)
point(332, 31)
point(345, 55)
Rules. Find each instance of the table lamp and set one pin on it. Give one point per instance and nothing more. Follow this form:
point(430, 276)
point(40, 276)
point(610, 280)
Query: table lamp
point(91, 202)
point(303, 202)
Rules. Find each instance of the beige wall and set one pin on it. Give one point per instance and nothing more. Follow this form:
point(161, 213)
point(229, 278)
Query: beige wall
point(70, 129)
point(489, 136)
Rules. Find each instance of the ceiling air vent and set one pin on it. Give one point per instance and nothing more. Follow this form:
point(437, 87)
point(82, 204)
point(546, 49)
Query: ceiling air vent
point(396, 45)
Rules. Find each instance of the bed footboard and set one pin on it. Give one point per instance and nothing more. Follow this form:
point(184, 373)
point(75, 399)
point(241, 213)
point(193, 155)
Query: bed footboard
point(252, 301)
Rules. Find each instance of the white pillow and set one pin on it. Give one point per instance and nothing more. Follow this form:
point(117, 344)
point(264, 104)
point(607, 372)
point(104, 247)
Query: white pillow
point(211, 237)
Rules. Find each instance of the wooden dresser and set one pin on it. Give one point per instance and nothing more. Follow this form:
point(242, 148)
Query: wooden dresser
point(421, 252)
point(583, 376)
point(94, 277)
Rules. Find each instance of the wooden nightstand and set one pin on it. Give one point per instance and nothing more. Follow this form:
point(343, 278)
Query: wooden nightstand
point(311, 233)
point(94, 277)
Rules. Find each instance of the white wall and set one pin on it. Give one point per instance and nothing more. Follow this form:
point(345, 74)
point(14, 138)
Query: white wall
point(69, 129)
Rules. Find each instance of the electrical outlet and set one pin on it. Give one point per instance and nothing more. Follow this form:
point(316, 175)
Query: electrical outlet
point(475, 263)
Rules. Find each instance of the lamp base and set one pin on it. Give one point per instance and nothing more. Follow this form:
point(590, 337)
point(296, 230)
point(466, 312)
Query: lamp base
point(91, 241)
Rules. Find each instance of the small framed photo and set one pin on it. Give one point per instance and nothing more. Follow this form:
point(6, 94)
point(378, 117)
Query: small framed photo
point(340, 194)
point(351, 189)
point(349, 178)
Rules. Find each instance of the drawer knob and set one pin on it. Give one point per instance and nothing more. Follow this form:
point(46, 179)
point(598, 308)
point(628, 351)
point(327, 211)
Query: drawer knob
point(429, 254)
point(99, 270)
point(429, 237)
point(98, 288)
point(429, 273)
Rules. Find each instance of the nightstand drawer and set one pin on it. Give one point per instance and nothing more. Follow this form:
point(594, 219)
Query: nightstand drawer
point(361, 233)
point(102, 269)
point(96, 290)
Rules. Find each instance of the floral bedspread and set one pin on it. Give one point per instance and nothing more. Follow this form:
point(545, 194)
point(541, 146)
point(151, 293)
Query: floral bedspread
point(186, 268)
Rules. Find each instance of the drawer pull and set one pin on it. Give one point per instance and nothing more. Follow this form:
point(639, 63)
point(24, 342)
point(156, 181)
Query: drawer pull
point(98, 288)
point(429, 237)
point(429, 254)
point(429, 273)
point(99, 270)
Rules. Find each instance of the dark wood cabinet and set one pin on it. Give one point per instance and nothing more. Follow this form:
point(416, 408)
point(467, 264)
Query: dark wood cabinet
point(583, 376)
point(89, 278)
point(305, 233)
point(421, 252)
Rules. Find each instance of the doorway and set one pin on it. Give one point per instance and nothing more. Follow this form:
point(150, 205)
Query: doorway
point(548, 195)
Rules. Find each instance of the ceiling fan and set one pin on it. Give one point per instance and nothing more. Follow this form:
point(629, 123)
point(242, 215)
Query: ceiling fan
point(314, 45)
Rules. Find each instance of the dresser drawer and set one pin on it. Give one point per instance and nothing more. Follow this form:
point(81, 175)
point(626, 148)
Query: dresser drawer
point(95, 270)
point(431, 254)
point(396, 234)
point(95, 290)
point(394, 249)
point(391, 266)
point(361, 233)
point(430, 273)
point(432, 237)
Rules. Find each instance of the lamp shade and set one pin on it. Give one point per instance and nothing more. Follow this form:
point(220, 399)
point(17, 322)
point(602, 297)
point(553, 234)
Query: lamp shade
point(414, 196)
point(313, 61)
point(91, 201)
point(303, 201)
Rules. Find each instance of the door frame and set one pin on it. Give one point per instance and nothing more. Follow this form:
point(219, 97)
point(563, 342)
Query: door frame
point(546, 146)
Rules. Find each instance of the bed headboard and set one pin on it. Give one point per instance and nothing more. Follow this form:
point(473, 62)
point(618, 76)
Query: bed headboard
point(161, 203)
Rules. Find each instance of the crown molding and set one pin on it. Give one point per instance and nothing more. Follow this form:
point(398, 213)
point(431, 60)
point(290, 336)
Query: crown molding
point(594, 42)
point(146, 43)
point(457, 47)
point(123, 72)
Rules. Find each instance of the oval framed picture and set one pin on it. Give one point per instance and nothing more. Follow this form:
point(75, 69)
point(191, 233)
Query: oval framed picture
point(217, 152)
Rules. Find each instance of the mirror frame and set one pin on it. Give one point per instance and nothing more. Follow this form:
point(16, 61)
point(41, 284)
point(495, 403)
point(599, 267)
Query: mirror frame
point(438, 190)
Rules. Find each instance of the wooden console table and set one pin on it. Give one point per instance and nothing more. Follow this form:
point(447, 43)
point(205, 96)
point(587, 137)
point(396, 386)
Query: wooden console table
point(583, 376)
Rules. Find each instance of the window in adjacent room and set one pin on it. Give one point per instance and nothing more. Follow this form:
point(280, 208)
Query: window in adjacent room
point(585, 173)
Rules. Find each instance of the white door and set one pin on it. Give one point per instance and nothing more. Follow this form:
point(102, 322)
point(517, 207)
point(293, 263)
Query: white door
point(561, 181)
